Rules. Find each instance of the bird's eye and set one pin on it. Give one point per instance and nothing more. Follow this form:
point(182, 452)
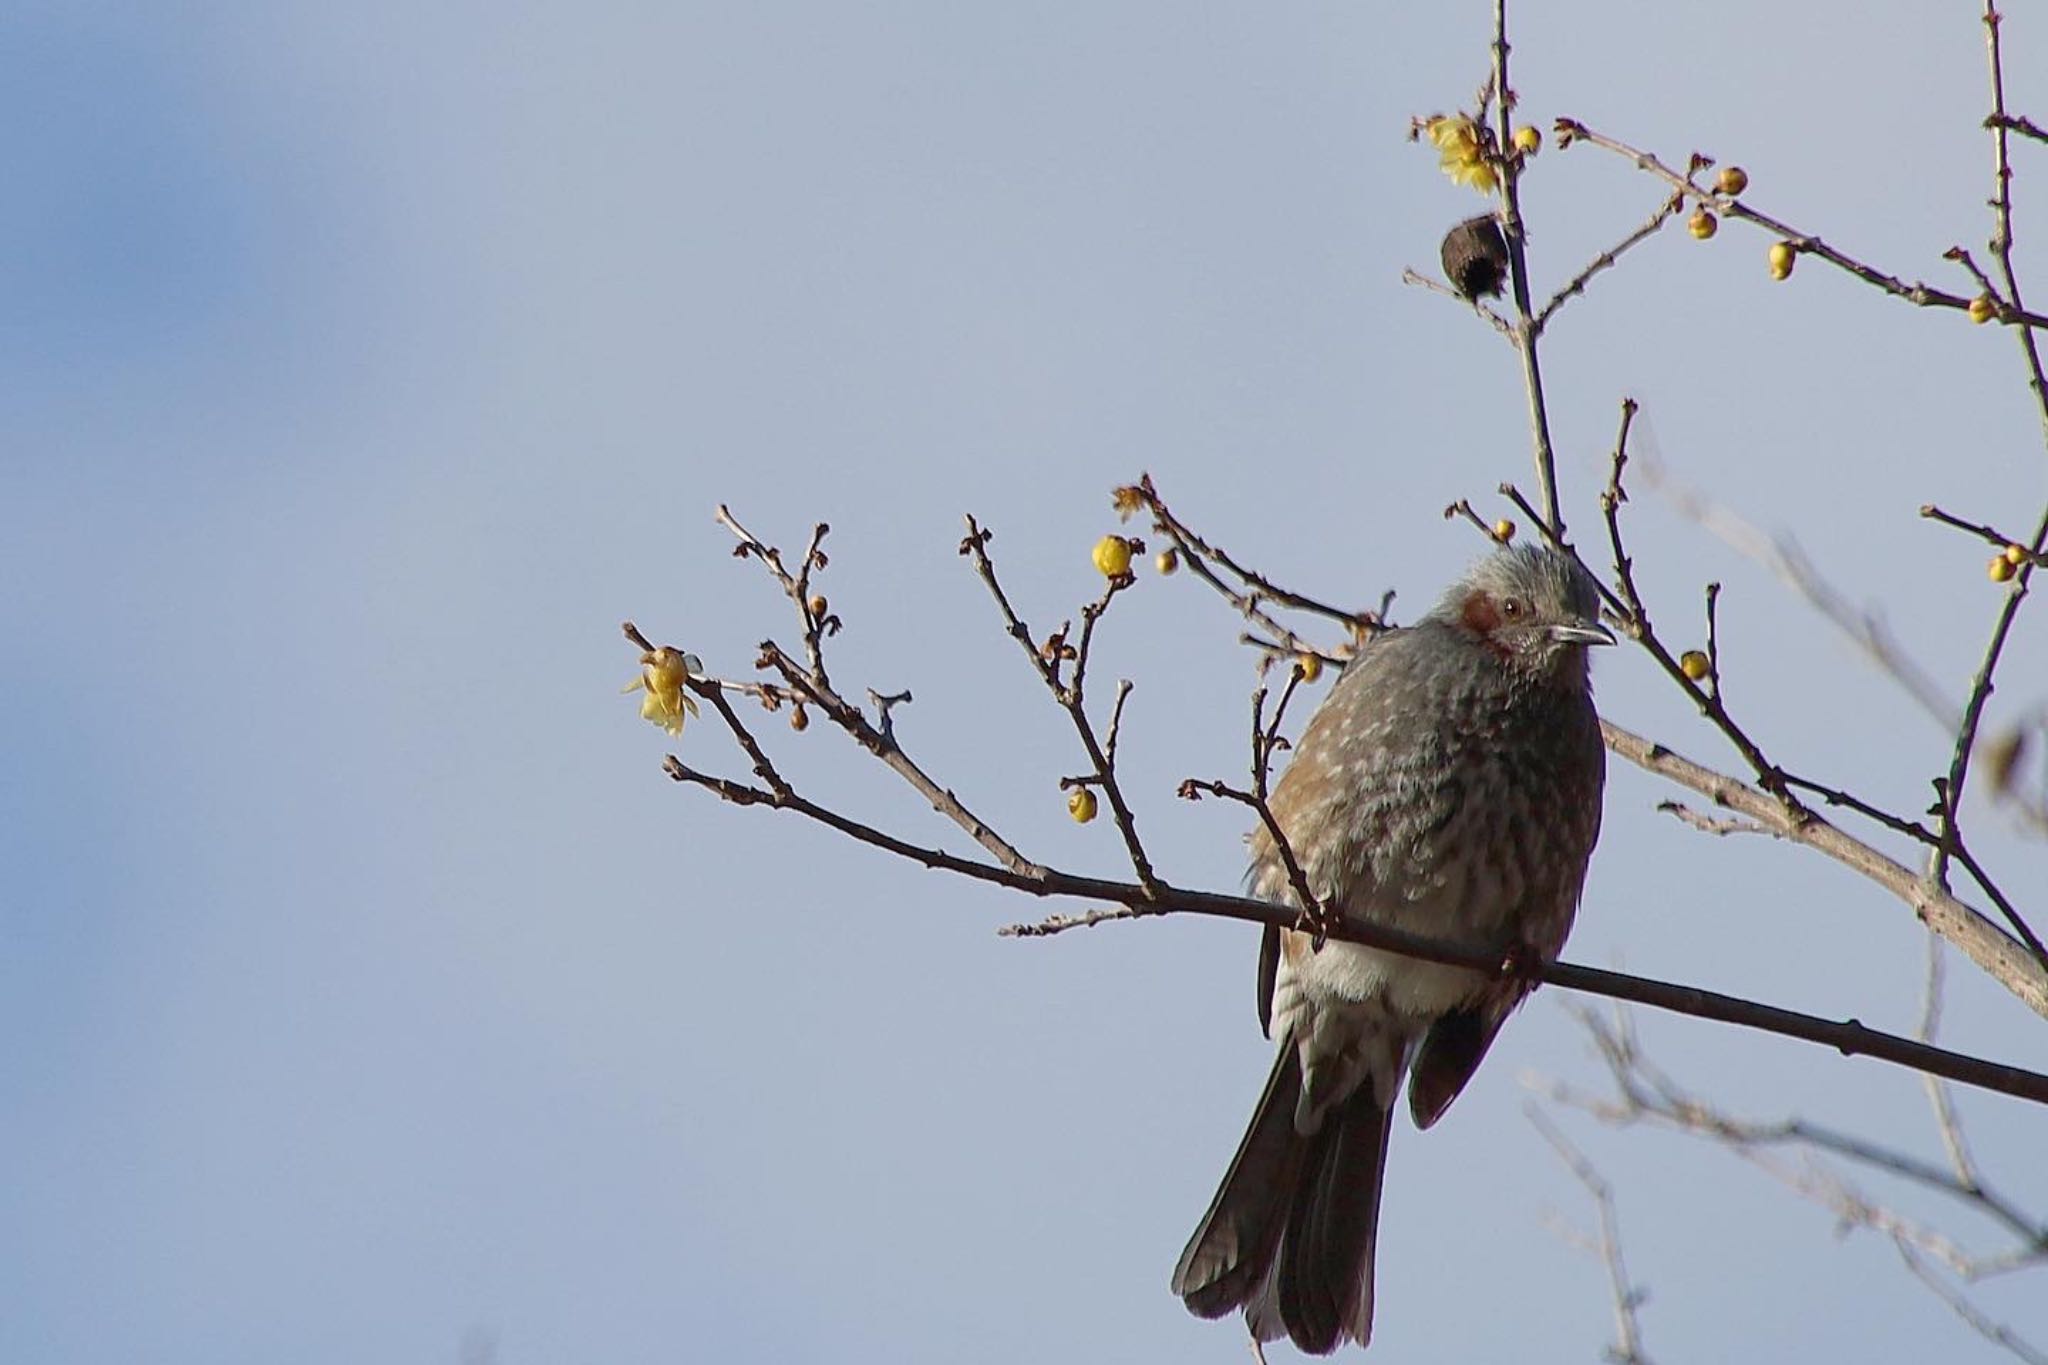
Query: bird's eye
point(1511, 608)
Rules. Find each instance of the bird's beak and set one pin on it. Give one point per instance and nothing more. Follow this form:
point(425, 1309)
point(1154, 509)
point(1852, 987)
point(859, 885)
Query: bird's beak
point(1582, 633)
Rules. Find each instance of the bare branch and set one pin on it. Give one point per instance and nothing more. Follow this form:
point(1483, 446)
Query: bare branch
point(1783, 556)
point(1500, 324)
point(1571, 130)
point(1607, 259)
point(2003, 958)
point(1516, 233)
point(1945, 1118)
point(1707, 824)
point(1646, 1094)
point(2017, 123)
point(1628, 1344)
point(1070, 694)
point(1997, 539)
point(1257, 590)
point(1978, 1321)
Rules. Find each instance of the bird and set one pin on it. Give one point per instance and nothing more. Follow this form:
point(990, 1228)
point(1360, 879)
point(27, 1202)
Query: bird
point(1449, 785)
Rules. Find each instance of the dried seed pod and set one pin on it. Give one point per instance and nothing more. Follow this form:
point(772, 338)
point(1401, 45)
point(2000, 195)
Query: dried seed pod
point(1475, 257)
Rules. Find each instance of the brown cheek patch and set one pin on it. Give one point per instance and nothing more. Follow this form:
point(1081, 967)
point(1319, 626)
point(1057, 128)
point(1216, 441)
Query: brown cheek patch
point(1480, 614)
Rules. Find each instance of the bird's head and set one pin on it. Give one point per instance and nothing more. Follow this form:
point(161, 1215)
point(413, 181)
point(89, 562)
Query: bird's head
point(1534, 609)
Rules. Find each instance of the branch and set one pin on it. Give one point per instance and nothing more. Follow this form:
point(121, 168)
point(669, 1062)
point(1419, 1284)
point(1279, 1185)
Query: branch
point(1570, 130)
point(1784, 558)
point(1646, 1094)
point(1071, 694)
point(1203, 559)
point(1607, 259)
point(2018, 123)
point(1628, 1346)
point(2002, 957)
point(1435, 286)
point(1526, 326)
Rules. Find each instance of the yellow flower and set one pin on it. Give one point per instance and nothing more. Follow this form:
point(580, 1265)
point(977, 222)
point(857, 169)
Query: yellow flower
point(1732, 180)
point(1113, 556)
point(2000, 569)
point(1167, 561)
point(1503, 530)
point(1982, 309)
point(1461, 151)
point(1453, 132)
point(1694, 665)
point(1702, 225)
point(1781, 257)
point(1528, 141)
point(662, 674)
point(1081, 805)
point(1309, 667)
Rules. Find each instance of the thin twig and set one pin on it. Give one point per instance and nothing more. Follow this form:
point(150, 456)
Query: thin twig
point(1200, 554)
point(1783, 556)
point(1646, 1093)
point(1116, 720)
point(2018, 123)
point(1070, 694)
point(1264, 739)
point(1516, 233)
point(1500, 324)
point(1636, 623)
point(1945, 1119)
point(1991, 535)
point(1606, 260)
point(1707, 824)
point(2003, 958)
point(1925, 296)
point(1978, 1321)
point(2013, 308)
point(1628, 1346)
point(2001, 205)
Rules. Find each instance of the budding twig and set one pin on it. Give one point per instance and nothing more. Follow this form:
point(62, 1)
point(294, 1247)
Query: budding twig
point(1923, 295)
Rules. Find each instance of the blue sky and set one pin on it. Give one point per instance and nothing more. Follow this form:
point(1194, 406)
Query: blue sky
point(369, 989)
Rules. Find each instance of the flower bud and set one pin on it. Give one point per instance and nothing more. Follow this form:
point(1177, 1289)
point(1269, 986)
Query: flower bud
point(1113, 556)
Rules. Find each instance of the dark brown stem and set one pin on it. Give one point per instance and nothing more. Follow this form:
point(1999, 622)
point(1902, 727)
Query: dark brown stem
point(1527, 329)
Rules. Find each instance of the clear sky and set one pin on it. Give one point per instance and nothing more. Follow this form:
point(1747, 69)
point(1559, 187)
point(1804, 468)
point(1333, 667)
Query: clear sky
point(367, 990)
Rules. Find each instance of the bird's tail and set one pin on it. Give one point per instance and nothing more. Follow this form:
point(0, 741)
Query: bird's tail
point(1289, 1237)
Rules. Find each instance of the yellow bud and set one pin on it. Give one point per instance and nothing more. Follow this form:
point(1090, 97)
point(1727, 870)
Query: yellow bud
point(1309, 666)
point(1503, 530)
point(1166, 562)
point(1528, 141)
point(1732, 180)
point(1702, 225)
point(2001, 568)
point(1694, 664)
point(819, 606)
point(1982, 309)
point(2014, 554)
point(1113, 556)
point(799, 720)
point(1081, 805)
point(1783, 255)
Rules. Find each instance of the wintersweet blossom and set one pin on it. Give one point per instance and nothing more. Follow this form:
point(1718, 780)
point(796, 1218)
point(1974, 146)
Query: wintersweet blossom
point(663, 672)
point(1462, 151)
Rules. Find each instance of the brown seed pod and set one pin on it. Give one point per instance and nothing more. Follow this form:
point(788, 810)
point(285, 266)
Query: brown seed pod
point(1475, 257)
